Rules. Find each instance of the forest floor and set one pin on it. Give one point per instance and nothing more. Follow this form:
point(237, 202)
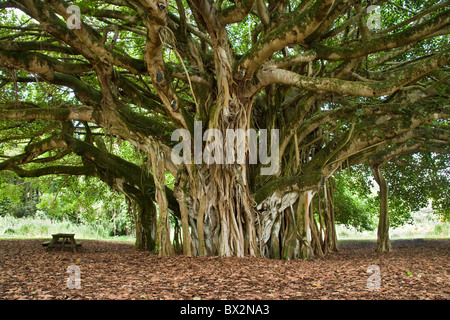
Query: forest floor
point(415, 269)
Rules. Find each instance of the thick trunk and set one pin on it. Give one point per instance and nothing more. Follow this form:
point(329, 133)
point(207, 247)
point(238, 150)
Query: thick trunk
point(383, 242)
point(220, 212)
point(163, 242)
point(287, 223)
point(289, 227)
point(213, 192)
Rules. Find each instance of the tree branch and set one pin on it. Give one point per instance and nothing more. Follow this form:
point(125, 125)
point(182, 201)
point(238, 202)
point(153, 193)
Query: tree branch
point(401, 77)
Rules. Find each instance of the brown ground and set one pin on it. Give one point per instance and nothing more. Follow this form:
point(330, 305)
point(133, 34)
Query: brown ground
point(414, 270)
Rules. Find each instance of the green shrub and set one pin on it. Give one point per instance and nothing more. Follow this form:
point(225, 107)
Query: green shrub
point(442, 230)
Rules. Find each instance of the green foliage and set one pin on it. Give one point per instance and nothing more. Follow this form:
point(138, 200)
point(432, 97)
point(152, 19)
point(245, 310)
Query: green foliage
point(42, 227)
point(240, 34)
point(9, 195)
point(414, 180)
point(80, 200)
point(353, 200)
point(17, 197)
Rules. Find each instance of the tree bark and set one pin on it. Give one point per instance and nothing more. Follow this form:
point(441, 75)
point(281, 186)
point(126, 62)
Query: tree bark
point(163, 242)
point(383, 241)
point(303, 224)
point(180, 195)
point(330, 242)
point(145, 224)
point(288, 227)
point(221, 214)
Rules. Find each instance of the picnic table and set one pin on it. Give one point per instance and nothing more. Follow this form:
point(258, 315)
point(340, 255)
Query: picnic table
point(68, 241)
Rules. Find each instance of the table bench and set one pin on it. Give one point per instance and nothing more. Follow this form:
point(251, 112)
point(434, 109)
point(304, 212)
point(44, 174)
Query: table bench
point(68, 241)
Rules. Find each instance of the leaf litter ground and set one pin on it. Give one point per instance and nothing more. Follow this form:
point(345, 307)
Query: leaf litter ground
point(416, 269)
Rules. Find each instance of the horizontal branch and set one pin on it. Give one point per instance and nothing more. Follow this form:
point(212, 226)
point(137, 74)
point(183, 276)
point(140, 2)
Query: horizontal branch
point(87, 36)
point(82, 113)
point(54, 170)
point(39, 63)
point(403, 76)
point(35, 45)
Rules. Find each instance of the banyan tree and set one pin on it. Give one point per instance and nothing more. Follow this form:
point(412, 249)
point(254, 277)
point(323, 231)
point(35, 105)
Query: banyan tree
point(262, 100)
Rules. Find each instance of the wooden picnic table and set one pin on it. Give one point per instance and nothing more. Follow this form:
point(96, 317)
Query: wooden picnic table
point(68, 241)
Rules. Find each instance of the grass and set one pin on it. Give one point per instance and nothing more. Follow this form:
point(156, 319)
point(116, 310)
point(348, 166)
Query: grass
point(425, 225)
point(39, 227)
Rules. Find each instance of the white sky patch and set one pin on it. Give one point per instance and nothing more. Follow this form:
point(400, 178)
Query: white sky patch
point(17, 13)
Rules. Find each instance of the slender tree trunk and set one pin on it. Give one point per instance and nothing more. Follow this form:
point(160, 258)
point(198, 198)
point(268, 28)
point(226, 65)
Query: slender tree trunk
point(290, 239)
point(383, 242)
point(180, 195)
point(303, 224)
point(145, 225)
point(177, 241)
point(275, 243)
point(316, 241)
point(330, 222)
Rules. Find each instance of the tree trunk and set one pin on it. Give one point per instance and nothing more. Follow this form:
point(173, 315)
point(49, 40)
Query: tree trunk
point(220, 211)
point(145, 224)
point(215, 192)
point(163, 242)
point(303, 224)
point(383, 242)
point(180, 195)
point(316, 240)
point(287, 224)
point(330, 243)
